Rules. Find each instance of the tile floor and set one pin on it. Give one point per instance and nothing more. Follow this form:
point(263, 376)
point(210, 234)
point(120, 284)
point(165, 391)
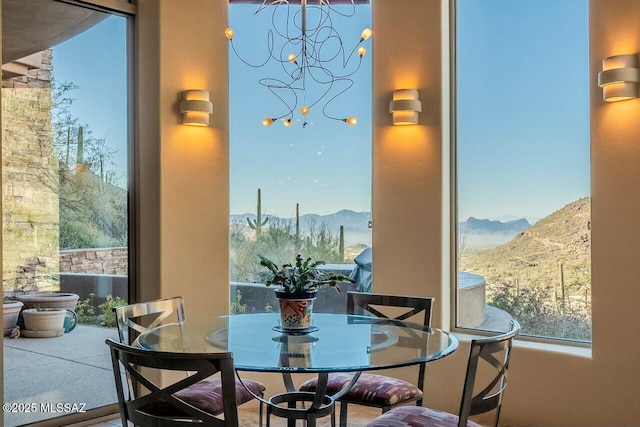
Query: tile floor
point(358, 417)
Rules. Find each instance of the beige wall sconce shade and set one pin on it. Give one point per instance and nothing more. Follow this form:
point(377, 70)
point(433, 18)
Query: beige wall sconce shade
point(405, 107)
point(619, 78)
point(196, 107)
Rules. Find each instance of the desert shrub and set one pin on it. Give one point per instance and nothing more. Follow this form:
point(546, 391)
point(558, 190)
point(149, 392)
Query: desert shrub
point(279, 243)
point(86, 311)
point(538, 316)
point(108, 316)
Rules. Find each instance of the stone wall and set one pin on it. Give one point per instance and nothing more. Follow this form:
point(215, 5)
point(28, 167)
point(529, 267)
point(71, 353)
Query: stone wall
point(95, 261)
point(29, 184)
point(35, 78)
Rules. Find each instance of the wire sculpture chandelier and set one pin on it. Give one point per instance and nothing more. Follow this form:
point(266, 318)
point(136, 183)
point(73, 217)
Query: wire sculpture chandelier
point(315, 68)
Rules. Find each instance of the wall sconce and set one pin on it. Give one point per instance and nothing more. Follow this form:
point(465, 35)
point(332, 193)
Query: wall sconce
point(196, 107)
point(619, 77)
point(405, 107)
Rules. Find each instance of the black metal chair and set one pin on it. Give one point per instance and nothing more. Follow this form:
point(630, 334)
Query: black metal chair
point(373, 389)
point(176, 404)
point(135, 319)
point(496, 351)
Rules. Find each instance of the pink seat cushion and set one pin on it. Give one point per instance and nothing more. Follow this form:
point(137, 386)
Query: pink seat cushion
point(371, 389)
point(206, 395)
point(417, 416)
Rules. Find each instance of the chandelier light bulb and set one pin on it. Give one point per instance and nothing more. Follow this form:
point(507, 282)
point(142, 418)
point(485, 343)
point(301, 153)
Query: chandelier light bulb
point(267, 121)
point(304, 110)
point(287, 122)
point(229, 33)
point(366, 34)
point(293, 58)
point(362, 51)
point(352, 121)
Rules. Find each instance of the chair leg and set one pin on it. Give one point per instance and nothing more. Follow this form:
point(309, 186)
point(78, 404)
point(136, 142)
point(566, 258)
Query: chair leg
point(343, 414)
point(268, 416)
point(260, 415)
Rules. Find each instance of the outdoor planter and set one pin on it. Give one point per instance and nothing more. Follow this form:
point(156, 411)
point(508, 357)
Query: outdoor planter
point(49, 300)
point(45, 320)
point(10, 313)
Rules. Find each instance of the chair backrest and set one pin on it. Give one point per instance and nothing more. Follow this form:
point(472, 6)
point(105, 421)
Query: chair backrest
point(161, 406)
point(496, 351)
point(368, 303)
point(375, 304)
point(135, 319)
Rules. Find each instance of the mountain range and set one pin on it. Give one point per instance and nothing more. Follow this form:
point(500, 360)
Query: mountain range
point(356, 224)
point(486, 226)
point(532, 258)
point(477, 233)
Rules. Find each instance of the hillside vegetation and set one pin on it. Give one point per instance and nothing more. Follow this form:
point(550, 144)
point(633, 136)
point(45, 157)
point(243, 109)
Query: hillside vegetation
point(543, 275)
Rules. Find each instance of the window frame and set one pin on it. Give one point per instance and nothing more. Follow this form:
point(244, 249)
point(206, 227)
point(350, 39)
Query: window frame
point(557, 343)
point(127, 9)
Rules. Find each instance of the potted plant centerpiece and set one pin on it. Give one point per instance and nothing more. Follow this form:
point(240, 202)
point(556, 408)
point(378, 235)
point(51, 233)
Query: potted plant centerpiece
point(298, 286)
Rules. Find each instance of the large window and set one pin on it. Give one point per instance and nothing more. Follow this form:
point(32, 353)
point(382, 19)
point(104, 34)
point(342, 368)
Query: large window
point(65, 181)
point(302, 186)
point(522, 162)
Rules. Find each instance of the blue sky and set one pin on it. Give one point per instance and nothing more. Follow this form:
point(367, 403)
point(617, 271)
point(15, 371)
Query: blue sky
point(523, 123)
point(523, 113)
point(95, 61)
point(327, 165)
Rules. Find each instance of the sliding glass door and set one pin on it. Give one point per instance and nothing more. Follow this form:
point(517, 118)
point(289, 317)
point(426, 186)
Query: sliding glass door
point(65, 188)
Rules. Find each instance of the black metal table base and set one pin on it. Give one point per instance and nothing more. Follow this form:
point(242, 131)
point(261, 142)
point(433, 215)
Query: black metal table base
point(292, 412)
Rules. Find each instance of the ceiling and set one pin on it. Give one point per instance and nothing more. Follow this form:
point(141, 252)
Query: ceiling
point(29, 26)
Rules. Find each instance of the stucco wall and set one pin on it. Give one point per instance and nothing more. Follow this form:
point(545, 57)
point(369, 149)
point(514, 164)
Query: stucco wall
point(184, 173)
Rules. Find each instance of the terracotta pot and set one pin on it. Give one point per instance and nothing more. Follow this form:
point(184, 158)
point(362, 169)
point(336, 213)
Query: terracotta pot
point(49, 300)
point(44, 319)
point(295, 310)
point(10, 313)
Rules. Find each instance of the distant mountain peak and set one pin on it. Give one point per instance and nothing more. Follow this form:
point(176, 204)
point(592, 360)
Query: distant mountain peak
point(481, 226)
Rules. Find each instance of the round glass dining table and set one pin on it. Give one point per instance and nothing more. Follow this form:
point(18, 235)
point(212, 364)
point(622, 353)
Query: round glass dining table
point(334, 343)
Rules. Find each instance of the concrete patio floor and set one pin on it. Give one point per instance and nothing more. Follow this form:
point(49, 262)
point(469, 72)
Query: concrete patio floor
point(74, 368)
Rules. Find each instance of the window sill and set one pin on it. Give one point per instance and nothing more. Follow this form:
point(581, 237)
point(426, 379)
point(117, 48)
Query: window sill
point(570, 349)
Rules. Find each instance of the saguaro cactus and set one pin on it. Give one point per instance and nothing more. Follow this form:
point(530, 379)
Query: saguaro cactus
point(66, 162)
point(341, 244)
point(80, 164)
point(80, 152)
point(297, 227)
point(258, 223)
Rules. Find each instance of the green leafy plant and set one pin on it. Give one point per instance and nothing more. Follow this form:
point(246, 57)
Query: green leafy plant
point(237, 306)
point(109, 317)
point(301, 277)
point(86, 311)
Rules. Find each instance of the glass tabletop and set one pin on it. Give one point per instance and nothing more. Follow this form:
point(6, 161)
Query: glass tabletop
point(337, 342)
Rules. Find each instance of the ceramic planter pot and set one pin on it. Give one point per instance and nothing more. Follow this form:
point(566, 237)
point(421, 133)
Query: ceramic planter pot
point(295, 310)
point(10, 313)
point(49, 300)
point(44, 319)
